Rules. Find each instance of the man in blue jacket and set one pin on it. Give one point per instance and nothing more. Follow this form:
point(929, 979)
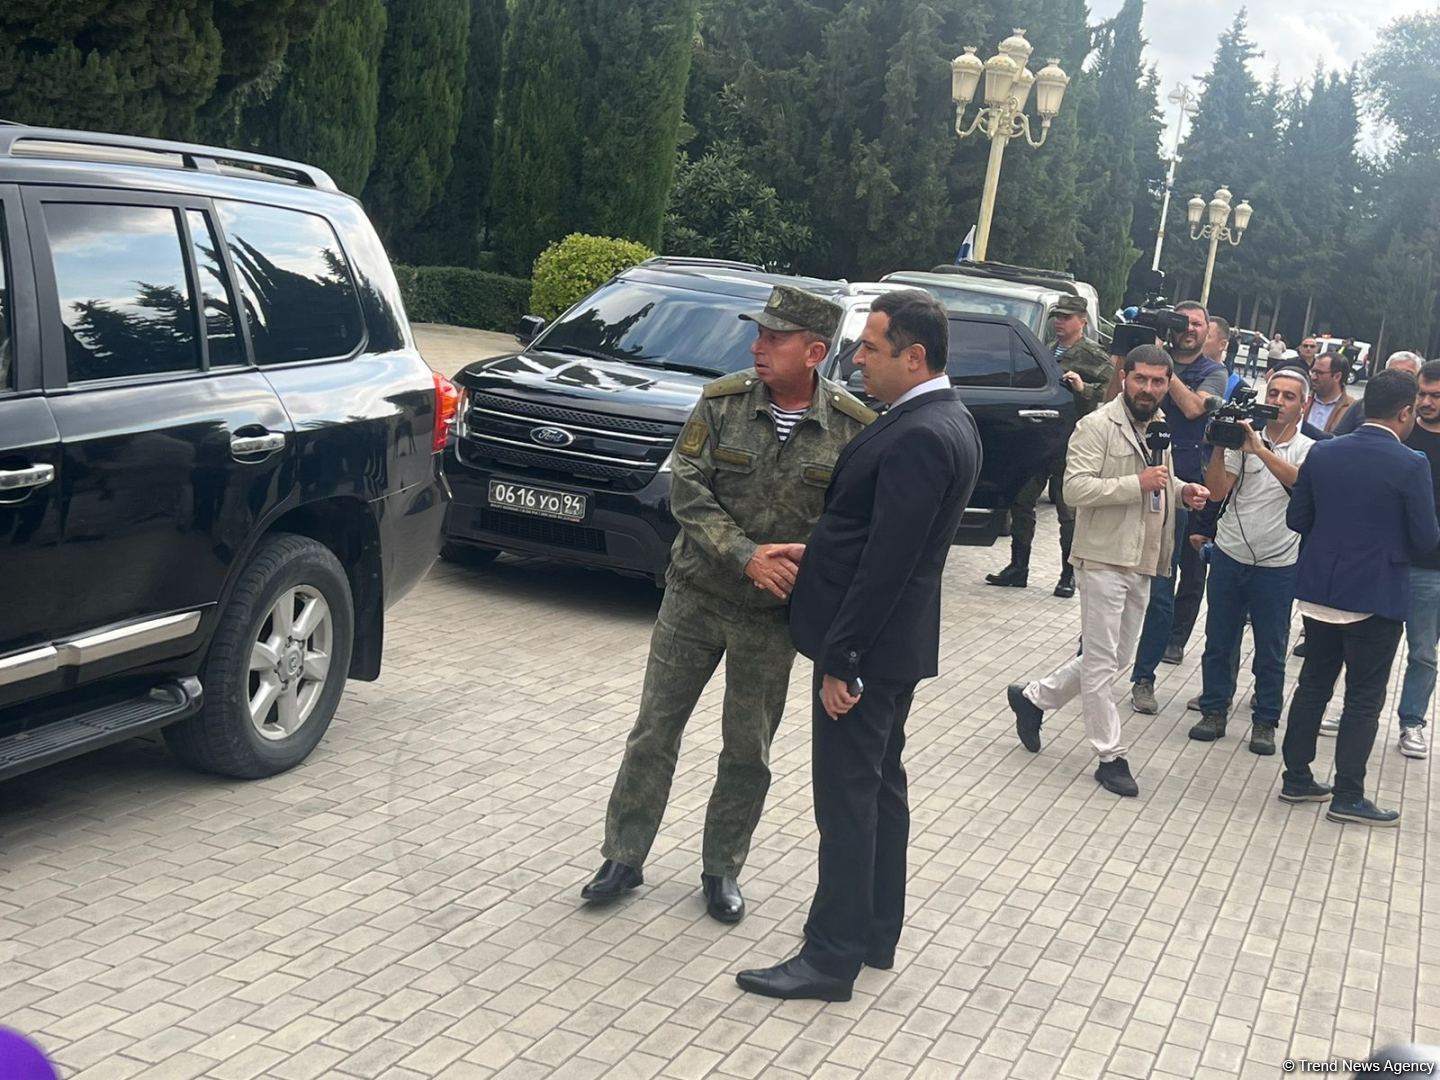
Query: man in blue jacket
point(1363, 504)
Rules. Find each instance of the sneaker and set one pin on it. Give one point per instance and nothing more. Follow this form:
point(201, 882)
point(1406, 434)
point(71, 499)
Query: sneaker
point(1262, 739)
point(1298, 793)
point(1027, 717)
point(1412, 742)
point(1193, 705)
point(1115, 776)
point(1329, 728)
point(1362, 812)
point(1210, 727)
point(1142, 697)
point(1174, 654)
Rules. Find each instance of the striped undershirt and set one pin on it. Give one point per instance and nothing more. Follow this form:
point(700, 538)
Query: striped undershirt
point(785, 420)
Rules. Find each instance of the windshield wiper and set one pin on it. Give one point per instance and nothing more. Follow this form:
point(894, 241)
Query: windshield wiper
point(670, 365)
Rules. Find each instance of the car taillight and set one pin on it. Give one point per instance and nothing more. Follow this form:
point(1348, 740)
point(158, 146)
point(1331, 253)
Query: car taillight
point(447, 401)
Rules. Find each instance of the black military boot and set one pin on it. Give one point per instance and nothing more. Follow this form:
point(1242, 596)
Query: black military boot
point(1017, 574)
point(1065, 587)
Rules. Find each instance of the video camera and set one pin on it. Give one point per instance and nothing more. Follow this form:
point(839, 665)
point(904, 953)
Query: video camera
point(1153, 318)
point(1224, 429)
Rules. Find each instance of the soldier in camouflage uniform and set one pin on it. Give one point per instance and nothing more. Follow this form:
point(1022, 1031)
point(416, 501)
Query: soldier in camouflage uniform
point(1086, 371)
point(748, 484)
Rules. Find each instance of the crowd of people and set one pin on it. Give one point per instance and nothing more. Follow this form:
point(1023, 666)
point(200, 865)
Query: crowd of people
point(810, 523)
point(1328, 505)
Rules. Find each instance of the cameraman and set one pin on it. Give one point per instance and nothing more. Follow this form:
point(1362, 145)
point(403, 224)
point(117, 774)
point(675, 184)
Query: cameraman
point(1197, 382)
point(1252, 568)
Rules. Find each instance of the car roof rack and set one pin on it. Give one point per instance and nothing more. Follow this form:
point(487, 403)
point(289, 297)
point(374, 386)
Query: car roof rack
point(24, 141)
point(1027, 275)
point(681, 262)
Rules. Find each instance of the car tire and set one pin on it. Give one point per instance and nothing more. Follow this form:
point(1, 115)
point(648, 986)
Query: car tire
point(247, 727)
point(468, 554)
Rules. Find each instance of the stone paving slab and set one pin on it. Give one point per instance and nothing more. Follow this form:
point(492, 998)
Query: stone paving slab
point(405, 904)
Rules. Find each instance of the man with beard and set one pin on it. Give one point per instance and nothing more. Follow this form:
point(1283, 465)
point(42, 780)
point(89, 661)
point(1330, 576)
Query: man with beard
point(1198, 382)
point(1422, 623)
point(1124, 535)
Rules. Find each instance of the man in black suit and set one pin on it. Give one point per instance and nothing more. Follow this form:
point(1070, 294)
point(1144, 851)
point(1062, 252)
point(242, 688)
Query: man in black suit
point(866, 609)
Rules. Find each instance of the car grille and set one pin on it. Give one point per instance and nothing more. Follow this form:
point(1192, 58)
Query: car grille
point(541, 531)
point(606, 451)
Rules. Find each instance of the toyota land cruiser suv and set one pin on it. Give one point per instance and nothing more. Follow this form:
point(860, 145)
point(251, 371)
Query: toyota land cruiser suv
point(219, 450)
point(563, 448)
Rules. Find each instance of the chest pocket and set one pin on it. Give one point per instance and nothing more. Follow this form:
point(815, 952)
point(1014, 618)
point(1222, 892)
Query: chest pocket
point(733, 459)
point(817, 475)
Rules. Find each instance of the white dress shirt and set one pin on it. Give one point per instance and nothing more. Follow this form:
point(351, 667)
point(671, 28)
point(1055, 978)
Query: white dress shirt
point(939, 382)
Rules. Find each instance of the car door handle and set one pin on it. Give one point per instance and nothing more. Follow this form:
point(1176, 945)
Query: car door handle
point(32, 477)
point(257, 444)
point(1040, 414)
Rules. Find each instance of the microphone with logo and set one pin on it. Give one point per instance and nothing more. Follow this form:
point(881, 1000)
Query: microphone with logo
point(1157, 441)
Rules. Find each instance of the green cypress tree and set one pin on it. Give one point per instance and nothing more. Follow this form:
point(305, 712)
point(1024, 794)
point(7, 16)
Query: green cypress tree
point(422, 82)
point(148, 67)
point(452, 233)
point(324, 108)
point(633, 91)
point(1117, 132)
point(537, 159)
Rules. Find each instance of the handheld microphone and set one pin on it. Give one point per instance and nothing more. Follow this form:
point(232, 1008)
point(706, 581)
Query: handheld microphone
point(1157, 441)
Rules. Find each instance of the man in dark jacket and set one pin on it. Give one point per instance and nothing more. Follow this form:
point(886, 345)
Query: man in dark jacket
point(866, 609)
point(1364, 505)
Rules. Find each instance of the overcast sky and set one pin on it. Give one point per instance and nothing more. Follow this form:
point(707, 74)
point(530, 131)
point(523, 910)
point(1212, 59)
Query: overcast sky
point(1291, 35)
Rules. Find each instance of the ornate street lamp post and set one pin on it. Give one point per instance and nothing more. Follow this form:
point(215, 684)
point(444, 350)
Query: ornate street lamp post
point(1008, 83)
point(1215, 228)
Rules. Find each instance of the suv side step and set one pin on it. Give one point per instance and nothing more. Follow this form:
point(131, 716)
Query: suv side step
point(49, 743)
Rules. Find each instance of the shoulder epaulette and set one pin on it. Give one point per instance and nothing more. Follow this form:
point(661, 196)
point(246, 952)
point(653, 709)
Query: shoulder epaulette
point(739, 382)
point(853, 407)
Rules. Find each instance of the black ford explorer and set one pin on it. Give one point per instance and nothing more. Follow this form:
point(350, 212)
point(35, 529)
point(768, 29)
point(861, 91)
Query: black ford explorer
point(563, 449)
point(219, 450)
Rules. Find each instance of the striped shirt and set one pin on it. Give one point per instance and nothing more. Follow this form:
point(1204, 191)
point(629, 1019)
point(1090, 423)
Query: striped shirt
point(785, 420)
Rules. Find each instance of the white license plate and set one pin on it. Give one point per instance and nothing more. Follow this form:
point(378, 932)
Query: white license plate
point(524, 499)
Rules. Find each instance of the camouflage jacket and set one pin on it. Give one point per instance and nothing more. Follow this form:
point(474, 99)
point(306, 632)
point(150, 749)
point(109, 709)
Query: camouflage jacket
point(1092, 363)
point(734, 486)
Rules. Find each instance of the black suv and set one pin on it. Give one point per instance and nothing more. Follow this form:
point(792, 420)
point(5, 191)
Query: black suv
point(219, 450)
point(563, 449)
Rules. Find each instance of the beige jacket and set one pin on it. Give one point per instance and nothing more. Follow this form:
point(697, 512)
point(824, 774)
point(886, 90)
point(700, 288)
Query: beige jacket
point(1102, 482)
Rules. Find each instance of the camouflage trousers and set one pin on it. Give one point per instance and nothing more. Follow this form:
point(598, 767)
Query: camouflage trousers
point(692, 632)
point(1022, 511)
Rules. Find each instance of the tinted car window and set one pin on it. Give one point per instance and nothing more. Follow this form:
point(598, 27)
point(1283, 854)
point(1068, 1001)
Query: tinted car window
point(1028, 372)
point(645, 323)
point(216, 300)
point(7, 365)
point(976, 302)
point(979, 353)
point(296, 286)
point(124, 293)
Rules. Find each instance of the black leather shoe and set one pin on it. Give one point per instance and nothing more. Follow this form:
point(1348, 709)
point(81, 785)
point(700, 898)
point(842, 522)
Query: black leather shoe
point(612, 881)
point(1065, 587)
point(1174, 654)
point(1013, 576)
point(1027, 717)
point(1362, 812)
point(722, 898)
point(1298, 793)
point(795, 979)
point(1115, 776)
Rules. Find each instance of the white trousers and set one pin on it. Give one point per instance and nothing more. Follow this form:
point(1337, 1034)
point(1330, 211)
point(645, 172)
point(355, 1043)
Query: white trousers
point(1112, 612)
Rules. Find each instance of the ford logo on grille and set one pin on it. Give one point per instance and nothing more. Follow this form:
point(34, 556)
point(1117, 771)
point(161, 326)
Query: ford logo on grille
point(551, 436)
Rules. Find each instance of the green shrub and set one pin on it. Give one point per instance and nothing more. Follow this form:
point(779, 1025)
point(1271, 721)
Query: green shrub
point(463, 297)
point(570, 268)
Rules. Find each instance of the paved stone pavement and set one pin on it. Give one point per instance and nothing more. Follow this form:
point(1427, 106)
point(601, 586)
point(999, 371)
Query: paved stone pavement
point(405, 904)
point(450, 348)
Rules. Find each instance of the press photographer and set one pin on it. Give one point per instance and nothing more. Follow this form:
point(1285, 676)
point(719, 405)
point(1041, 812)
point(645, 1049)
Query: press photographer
point(1252, 561)
point(1197, 389)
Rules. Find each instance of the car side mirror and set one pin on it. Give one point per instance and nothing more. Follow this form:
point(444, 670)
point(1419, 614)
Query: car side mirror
point(530, 327)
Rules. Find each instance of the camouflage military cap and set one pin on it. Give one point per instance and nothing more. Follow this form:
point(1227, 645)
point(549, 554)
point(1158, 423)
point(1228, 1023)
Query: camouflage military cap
point(1070, 305)
point(790, 309)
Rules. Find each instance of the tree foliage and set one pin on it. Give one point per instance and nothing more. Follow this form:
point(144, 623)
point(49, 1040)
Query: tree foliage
point(422, 83)
point(719, 209)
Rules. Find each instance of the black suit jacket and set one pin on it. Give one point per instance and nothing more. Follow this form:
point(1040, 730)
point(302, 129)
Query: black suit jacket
point(867, 599)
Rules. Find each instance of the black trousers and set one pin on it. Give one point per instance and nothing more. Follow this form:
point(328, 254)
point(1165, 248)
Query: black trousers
point(1188, 594)
point(1366, 650)
point(862, 809)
